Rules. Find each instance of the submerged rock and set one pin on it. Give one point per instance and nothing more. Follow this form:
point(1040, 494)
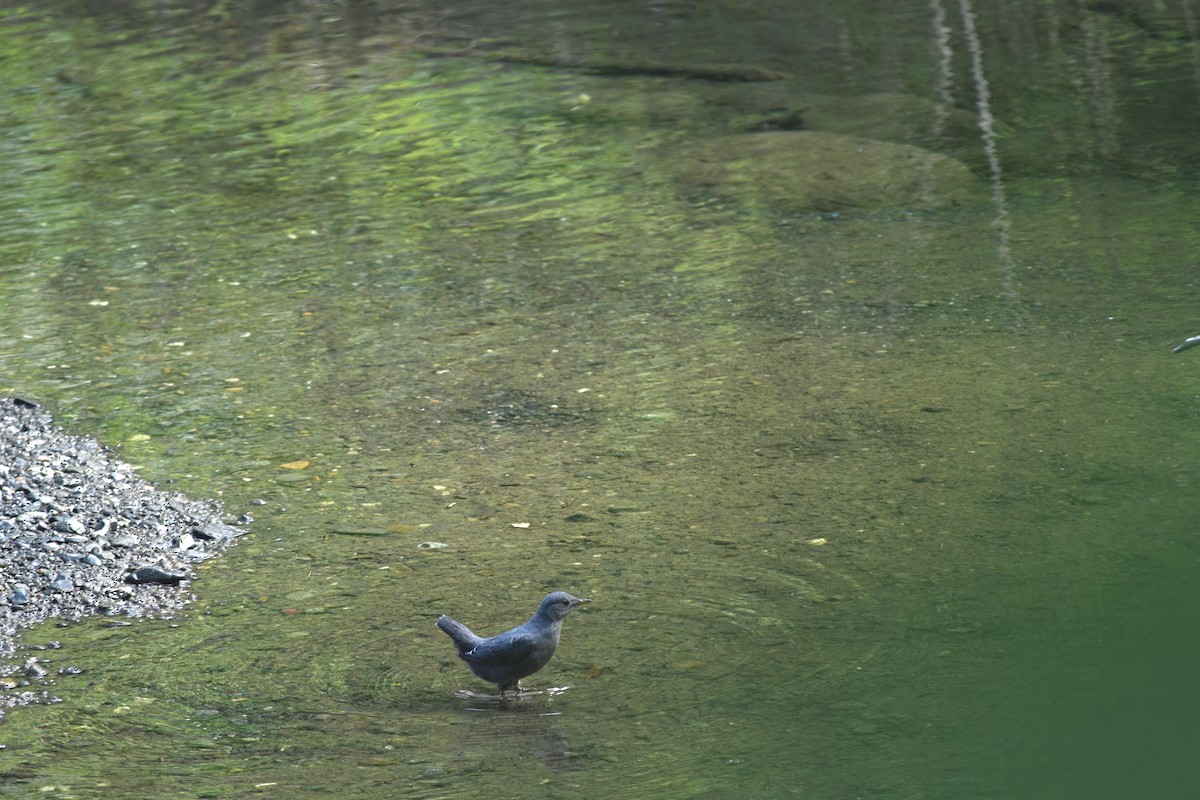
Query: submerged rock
point(806, 171)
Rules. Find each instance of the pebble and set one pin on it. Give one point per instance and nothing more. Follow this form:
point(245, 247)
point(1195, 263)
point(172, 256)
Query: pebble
point(69, 525)
point(215, 532)
point(62, 584)
point(66, 502)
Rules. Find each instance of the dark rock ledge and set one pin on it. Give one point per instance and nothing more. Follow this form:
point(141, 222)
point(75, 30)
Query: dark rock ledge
point(82, 534)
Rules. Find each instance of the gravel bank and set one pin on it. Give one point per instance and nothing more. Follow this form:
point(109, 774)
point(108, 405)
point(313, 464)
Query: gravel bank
point(81, 534)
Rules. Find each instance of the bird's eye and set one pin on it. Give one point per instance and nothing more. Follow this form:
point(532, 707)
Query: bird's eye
point(565, 602)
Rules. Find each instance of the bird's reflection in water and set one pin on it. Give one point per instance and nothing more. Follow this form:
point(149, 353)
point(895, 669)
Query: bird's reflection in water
point(499, 702)
point(533, 734)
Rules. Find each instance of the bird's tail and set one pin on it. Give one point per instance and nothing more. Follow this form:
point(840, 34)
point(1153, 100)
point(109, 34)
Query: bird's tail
point(464, 638)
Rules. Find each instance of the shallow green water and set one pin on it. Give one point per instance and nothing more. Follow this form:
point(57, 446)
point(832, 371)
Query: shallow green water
point(871, 501)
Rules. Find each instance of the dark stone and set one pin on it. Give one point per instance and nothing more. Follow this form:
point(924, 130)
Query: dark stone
point(215, 532)
point(157, 574)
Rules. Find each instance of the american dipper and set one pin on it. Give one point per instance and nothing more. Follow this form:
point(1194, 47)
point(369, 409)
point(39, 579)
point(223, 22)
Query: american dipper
point(507, 657)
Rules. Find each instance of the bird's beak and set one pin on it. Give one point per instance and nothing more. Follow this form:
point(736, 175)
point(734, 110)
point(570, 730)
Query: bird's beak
point(583, 600)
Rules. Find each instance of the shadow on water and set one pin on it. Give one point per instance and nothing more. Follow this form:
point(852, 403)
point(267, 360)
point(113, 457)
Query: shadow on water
point(826, 349)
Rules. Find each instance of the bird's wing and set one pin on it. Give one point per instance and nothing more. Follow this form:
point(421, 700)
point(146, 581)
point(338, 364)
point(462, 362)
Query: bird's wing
point(502, 649)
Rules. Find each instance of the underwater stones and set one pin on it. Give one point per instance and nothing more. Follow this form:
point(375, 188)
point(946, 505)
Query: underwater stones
point(885, 117)
point(512, 408)
point(813, 171)
point(902, 118)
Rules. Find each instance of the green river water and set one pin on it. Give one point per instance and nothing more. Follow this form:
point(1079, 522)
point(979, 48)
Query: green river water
point(882, 487)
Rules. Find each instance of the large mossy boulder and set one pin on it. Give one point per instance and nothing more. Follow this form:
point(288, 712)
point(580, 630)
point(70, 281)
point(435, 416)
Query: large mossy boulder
point(805, 171)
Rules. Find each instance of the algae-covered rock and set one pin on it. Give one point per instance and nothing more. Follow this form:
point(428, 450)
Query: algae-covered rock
point(900, 118)
point(804, 171)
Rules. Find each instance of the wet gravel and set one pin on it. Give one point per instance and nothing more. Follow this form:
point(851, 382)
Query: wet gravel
point(82, 534)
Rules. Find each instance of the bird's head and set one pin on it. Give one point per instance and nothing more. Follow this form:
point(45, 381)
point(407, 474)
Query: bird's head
point(557, 605)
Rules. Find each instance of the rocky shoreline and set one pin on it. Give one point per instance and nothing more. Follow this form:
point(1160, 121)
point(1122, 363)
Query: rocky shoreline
point(82, 534)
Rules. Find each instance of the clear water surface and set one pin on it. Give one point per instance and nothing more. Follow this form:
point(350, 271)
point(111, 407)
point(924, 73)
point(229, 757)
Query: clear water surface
point(876, 462)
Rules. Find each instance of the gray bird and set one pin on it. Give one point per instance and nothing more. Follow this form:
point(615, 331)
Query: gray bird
point(507, 657)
